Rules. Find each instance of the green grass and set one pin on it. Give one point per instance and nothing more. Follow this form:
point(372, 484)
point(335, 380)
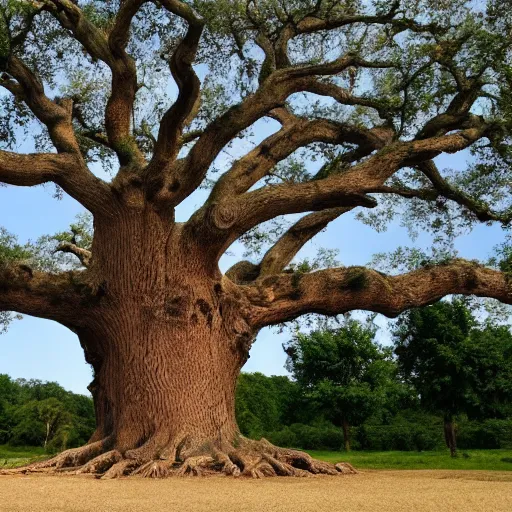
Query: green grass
point(499, 460)
point(466, 459)
point(12, 456)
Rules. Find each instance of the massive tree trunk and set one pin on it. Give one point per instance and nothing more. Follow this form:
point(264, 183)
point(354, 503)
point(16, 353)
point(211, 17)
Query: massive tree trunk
point(168, 344)
point(167, 336)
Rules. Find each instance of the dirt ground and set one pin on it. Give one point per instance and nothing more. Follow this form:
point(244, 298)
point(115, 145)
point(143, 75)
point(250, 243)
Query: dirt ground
point(382, 491)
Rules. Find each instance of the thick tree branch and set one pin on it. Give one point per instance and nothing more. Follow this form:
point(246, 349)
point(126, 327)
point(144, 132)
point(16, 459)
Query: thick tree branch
point(296, 133)
point(315, 23)
point(186, 175)
point(278, 257)
point(67, 171)
point(59, 297)
point(222, 222)
point(285, 249)
point(111, 51)
point(56, 117)
point(281, 298)
point(346, 189)
point(120, 33)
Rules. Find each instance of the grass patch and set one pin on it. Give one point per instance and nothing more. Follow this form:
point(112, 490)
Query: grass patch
point(497, 460)
point(13, 456)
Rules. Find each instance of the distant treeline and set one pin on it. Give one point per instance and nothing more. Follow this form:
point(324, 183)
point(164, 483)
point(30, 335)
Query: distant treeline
point(275, 408)
point(36, 413)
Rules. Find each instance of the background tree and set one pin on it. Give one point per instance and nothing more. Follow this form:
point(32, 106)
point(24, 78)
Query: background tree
point(489, 355)
point(43, 414)
point(371, 91)
point(41, 423)
point(264, 403)
point(344, 371)
point(431, 344)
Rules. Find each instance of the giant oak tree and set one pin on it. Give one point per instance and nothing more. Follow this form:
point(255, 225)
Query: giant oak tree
point(358, 98)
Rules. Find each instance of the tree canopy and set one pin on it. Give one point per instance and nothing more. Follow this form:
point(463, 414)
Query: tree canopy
point(288, 114)
point(360, 99)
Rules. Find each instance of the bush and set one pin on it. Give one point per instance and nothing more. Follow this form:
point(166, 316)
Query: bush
point(489, 434)
point(401, 437)
point(308, 437)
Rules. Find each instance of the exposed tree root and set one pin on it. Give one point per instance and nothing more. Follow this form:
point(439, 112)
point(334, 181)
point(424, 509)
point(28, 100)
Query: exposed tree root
point(123, 468)
point(101, 463)
point(345, 467)
point(254, 459)
point(154, 469)
point(196, 466)
point(72, 459)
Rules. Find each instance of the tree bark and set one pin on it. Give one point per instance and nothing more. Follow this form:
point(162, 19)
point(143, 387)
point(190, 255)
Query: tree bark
point(346, 435)
point(167, 343)
point(161, 389)
point(450, 435)
point(167, 337)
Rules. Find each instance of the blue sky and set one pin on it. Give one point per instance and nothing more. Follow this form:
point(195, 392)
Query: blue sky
point(35, 348)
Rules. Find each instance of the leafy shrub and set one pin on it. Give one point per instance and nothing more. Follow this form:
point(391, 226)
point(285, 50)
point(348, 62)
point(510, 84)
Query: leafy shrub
point(488, 434)
point(308, 437)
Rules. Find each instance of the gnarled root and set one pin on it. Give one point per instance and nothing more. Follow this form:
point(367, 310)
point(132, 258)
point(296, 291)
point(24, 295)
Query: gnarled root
point(123, 468)
point(101, 463)
point(196, 466)
point(346, 468)
point(255, 459)
point(154, 469)
point(72, 459)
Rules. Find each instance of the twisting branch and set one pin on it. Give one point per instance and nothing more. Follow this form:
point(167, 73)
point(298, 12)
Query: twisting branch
point(230, 217)
point(111, 51)
point(120, 33)
point(314, 22)
point(188, 173)
point(187, 104)
point(82, 254)
point(482, 211)
point(296, 133)
point(57, 117)
point(345, 97)
point(30, 170)
point(284, 250)
point(279, 256)
point(66, 170)
point(345, 189)
point(284, 297)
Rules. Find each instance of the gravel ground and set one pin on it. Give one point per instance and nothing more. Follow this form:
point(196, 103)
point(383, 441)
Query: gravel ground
point(375, 491)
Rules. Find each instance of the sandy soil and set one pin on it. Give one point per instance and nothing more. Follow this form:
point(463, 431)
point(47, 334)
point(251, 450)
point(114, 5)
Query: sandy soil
point(381, 491)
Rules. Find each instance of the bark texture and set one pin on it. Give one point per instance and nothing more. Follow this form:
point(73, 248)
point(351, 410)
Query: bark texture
point(450, 435)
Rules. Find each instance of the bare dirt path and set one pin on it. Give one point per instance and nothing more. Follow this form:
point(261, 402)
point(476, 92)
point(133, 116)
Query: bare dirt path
point(396, 491)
